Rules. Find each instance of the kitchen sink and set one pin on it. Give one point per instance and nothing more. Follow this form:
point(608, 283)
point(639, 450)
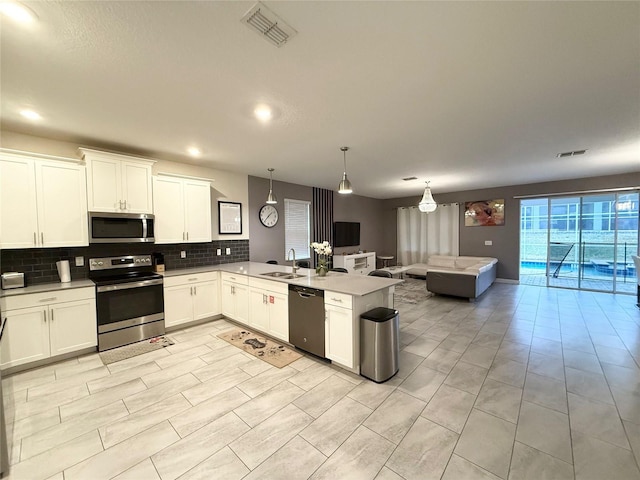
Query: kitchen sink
point(284, 275)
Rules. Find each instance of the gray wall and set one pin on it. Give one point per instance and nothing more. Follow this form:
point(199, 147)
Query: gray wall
point(268, 243)
point(506, 239)
point(355, 208)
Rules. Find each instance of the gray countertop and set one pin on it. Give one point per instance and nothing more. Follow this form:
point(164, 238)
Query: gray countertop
point(47, 287)
point(350, 284)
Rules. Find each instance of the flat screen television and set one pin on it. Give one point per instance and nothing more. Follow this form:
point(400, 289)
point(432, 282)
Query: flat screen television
point(346, 234)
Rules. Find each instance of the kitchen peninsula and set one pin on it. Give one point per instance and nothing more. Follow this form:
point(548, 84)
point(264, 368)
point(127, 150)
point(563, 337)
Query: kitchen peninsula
point(256, 295)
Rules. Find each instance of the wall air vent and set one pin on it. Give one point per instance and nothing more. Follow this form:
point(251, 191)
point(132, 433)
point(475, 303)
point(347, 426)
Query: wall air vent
point(268, 25)
point(409, 178)
point(571, 154)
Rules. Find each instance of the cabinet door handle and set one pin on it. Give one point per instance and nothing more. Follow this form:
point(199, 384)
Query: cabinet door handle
point(52, 315)
point(120, 204)
point(125, 204)
point(50, 299)
point(187, 236)
point(195, 290)
point(35, 241)
point(183, 236)
point(44, 316)
point(42, 238)
point(336, 299)
point(233, 289)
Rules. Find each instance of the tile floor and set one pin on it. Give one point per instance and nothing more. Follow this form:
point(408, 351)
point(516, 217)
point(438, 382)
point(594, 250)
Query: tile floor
point(526, 383)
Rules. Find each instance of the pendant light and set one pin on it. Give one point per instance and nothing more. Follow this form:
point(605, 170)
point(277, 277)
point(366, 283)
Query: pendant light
point(427, 204)
point(271, 198)
point(345, 184)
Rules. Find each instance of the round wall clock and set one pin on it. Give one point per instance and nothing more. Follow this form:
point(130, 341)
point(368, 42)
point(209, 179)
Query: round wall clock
point(269, 216)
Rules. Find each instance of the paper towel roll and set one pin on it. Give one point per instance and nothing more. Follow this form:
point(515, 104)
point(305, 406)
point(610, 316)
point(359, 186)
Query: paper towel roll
point(63, 271)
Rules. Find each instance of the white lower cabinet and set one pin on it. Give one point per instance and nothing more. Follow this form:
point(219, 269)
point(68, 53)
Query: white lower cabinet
point(339, 328)
point(190, 297)
point(235, 297)
point(269, 307)
point(39, 326)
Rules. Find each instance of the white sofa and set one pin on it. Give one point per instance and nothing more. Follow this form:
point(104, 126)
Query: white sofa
point(459, 276)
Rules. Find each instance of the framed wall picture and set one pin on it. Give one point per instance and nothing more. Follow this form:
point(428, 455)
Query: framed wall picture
point(229, 218)
point(484, 213)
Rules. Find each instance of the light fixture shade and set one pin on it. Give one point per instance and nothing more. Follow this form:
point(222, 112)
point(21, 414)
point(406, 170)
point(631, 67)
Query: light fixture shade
point(427, 204)
point(271, 198)
point(345, 185)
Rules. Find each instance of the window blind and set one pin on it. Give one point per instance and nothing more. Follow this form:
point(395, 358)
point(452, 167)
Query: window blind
point(297, 227)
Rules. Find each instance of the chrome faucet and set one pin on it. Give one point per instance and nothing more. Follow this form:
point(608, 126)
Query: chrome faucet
point(293, 266)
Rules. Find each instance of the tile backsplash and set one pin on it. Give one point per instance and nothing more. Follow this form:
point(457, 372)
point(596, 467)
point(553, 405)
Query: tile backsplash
point(39, 264)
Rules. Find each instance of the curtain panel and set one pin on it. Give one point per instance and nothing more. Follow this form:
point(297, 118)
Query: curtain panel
point(423, 234)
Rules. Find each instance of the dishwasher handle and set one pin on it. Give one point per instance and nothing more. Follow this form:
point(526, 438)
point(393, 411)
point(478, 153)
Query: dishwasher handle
point(305, 292)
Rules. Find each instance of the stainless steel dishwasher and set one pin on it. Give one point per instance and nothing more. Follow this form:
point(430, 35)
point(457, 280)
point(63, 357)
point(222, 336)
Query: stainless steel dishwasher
point(306, 319)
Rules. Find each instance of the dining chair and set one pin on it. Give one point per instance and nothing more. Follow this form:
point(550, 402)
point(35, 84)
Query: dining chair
point(380, 273)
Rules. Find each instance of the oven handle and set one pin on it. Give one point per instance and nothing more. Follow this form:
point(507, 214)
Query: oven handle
point(124, 286)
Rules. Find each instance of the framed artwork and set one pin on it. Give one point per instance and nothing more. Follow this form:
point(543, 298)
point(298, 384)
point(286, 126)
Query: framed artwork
point(484, 213)
point(229, 218)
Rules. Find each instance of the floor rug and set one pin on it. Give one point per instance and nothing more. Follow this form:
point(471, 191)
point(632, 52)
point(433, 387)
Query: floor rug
point(122, 353)
point(261, 347)
point(412, 291)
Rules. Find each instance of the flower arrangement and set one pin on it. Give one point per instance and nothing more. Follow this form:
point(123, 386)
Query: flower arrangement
point(323, 250)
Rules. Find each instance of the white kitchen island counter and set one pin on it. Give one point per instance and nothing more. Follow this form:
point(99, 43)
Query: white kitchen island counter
point(259, 301)
point(356, 285)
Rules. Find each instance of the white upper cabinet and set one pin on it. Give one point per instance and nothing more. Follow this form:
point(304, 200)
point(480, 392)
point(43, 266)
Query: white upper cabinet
point(169, 210)
point(62, 208)
point(182, 210)
point(18, 213)
point(43, 201)
point(197, 210)
point(118, 183)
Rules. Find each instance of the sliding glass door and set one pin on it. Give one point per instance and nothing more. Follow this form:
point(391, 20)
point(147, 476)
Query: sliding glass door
point(589, 241)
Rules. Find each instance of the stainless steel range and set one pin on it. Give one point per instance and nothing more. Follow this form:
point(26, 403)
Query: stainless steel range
point(129, 300)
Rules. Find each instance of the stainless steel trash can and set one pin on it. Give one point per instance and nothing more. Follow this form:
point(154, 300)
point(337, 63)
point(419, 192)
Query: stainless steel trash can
point(379, 344)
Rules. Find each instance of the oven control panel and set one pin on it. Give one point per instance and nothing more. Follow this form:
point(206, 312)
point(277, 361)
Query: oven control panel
point(127, 261)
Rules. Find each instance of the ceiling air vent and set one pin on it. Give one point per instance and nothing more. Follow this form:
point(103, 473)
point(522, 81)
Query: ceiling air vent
point(571, 154)
point(409, 178)
point(268, 25)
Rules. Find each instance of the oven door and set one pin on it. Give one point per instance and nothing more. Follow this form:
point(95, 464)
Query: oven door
point(129, 304)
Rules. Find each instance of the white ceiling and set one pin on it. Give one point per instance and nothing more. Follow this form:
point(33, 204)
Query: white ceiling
point(464, 94)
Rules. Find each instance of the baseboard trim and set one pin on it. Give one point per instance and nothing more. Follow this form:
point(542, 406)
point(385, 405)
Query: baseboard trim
point(507, 280)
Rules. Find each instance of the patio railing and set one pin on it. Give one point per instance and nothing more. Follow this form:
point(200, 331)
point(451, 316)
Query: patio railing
point(591, 259)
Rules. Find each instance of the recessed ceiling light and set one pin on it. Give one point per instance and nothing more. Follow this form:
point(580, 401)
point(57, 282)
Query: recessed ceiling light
point(30, 114)
point(194, 151)
point(263, 113)
point(17, 12)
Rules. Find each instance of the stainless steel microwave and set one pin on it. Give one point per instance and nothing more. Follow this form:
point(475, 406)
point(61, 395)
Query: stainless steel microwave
point(121, 227)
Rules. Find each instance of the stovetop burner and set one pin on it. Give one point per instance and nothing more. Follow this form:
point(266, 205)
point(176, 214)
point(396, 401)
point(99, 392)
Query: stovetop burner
point(127, 268)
